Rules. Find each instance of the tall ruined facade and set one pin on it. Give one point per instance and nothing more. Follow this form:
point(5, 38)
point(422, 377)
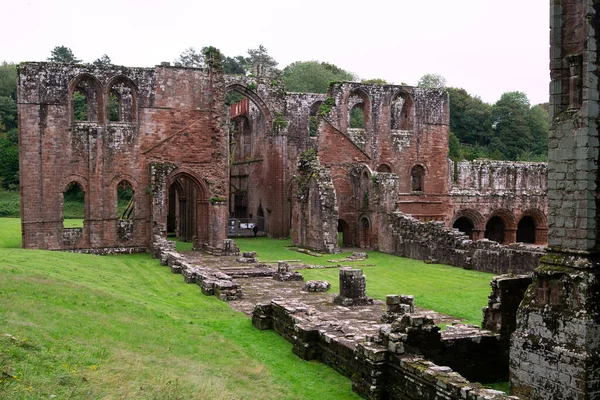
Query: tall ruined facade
point(555, 352)
point(194, 161)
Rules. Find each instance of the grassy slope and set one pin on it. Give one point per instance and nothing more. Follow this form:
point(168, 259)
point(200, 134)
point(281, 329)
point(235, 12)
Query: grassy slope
point(449, 290)
point(84, 326)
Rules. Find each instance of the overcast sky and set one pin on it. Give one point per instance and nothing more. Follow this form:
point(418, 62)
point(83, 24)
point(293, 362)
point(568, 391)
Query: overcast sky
point(487, 47)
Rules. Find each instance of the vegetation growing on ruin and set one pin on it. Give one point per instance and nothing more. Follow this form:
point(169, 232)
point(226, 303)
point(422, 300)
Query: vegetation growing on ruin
point(83, 326)
point(325, 107)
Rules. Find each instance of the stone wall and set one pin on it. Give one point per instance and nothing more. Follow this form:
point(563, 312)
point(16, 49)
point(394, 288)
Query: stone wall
point(405, 236)
point(510, 191)
point(393, 363)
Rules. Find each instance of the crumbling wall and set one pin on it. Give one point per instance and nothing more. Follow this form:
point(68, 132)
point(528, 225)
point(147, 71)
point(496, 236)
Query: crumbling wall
point(482, 189)
point(315, 215)
point(166, 115)
point(405, 236)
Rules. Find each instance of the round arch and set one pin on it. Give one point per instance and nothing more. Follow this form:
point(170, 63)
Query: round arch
point(401, 111)
point(385, 167)
point(532, 227)
point(501, 226)
point(473, 216)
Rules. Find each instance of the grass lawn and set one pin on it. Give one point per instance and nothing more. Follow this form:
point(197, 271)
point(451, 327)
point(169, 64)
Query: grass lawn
point(449, 290)
point(84, 326)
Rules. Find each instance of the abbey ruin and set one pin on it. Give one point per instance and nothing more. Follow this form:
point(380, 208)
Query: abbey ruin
point(201, 170)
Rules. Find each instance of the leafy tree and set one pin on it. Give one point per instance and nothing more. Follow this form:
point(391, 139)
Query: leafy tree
point(470, 118)
point(511, 131)
point(261, 63)
point(312, 76)
point(104, 60)
point(8, 80)
point(8, 114)
point(432, 81)
point(190, 58)
point(62, 54)
point(538, 125)
point(454, 147)
point(357, 118)
point(238, 65)
point(9, 154)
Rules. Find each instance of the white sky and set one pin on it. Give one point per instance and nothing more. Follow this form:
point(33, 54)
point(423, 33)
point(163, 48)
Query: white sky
point(487, 47)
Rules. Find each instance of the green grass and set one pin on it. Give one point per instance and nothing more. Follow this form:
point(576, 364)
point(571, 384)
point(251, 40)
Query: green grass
point(83, 326)
point(449, 290)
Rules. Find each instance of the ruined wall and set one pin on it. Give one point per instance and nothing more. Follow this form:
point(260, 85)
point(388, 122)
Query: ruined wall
point(405, 236)
point(167, 115)
point(555, 351)
point(511, 191)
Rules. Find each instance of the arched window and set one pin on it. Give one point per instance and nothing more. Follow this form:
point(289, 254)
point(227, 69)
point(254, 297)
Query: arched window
point(464, 225)
point(384, 168)
point(401, 112)
point(417, 178)
point(86, 99)
point(125, 203)
point(122, 100)
point(73, 206)
point(526, 230)
point(494, 229)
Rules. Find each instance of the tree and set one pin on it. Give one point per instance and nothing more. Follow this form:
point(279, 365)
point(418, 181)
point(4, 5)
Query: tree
point(8, 80)
point(511, 131)
point(62, 54)
point(9, 154)
point(238, 65)
point(375, 81)
point(104, 60)
point(312, 76)
point(537, 119)
point(261, 63)
point(190, 58)
point(432, 81)
point(470, 118)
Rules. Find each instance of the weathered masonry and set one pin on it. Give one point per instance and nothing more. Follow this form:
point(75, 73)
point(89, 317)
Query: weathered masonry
point(555, 351)
point(318, 164)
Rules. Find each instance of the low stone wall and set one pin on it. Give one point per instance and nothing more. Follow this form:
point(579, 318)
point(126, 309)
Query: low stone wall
point(392, 364)
point(405, 236)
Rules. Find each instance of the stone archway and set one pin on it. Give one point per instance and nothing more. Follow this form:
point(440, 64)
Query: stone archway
point(188, 208)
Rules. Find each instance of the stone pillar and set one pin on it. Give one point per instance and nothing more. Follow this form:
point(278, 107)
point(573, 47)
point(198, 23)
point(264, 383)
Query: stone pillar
point(555, 350)
point(353, 288)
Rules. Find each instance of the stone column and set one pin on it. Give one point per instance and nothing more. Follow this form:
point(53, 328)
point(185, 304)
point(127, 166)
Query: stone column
point(555, 350)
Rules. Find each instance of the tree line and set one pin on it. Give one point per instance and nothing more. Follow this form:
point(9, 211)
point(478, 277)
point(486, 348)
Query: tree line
point(510, 129)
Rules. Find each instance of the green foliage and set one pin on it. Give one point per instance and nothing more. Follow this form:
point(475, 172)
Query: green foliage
point(9, 160)
point(312, 76)
point(113, 107)
point(432, 81)
point(212, 57)
point(511, 134)
point(251, 86)
point(238, 65)
point(79, 328)
point(8, 114)
point(261, 63)
point(453, 147)
point(279, 123)
point(8, 80)
point(10, 204)
point(63, 54)
point(80, 112)
point(104, 60)
point(325, 107)
point(233, 97)
point(357, 117)
point(470, 118)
